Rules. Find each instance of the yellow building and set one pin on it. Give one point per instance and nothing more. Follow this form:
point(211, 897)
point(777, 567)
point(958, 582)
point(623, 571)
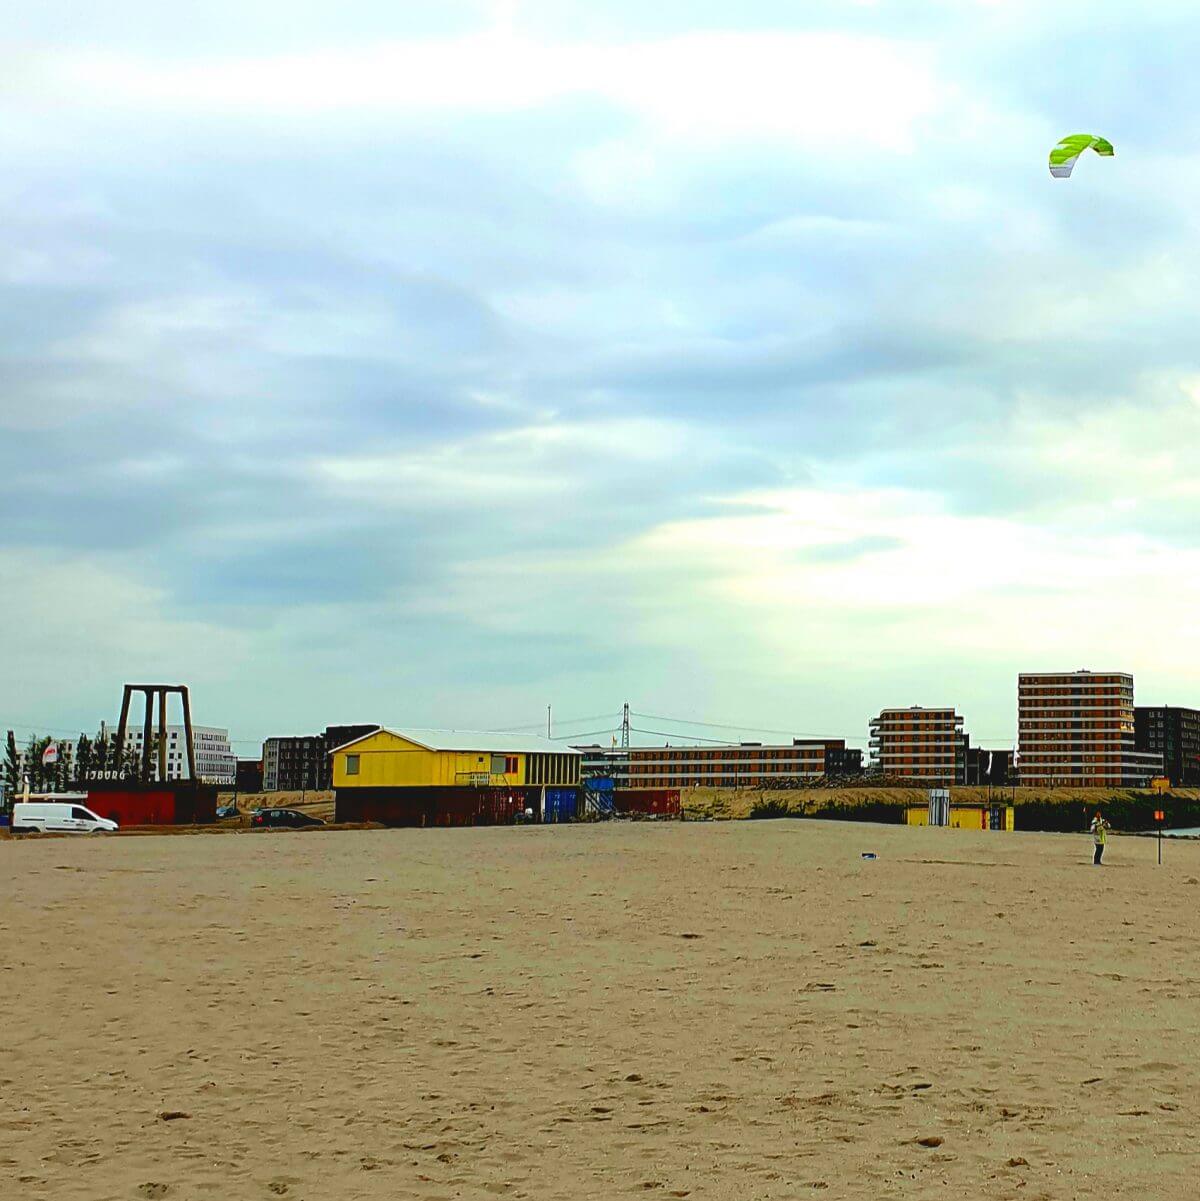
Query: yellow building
point(968, 815)
point(453, 777)
point(452, 759)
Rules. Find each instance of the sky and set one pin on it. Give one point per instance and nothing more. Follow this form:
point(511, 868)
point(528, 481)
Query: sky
point(433, 364)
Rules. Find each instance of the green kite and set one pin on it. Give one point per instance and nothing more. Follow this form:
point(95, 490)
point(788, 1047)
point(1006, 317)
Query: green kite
point(1063, 156)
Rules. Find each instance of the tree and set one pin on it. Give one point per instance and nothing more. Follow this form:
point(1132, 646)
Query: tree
point(11, 769)
point(131, 762)
point(83, 759)
point(41, 777)
point(101, 751)
point(151, 768)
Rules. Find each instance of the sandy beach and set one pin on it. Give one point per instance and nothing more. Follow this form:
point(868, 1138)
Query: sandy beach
point(724, 1010)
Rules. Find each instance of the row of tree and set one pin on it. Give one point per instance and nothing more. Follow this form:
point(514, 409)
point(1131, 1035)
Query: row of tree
point(97, 754)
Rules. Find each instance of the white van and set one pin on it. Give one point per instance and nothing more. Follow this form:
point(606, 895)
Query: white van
point(58, 817)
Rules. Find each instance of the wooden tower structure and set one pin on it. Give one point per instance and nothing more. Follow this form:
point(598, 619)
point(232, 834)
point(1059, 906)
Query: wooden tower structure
point(159, 693)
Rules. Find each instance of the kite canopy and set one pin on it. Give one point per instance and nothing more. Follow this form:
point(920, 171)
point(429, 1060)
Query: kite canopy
point(1063, 156)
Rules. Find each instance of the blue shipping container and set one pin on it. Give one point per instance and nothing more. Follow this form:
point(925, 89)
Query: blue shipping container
point(560, 804)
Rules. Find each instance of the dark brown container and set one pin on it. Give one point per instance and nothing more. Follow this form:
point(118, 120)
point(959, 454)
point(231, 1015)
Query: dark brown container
point(423, 807)
point(649, 802)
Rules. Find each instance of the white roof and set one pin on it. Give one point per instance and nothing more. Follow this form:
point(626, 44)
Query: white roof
point(489, 741)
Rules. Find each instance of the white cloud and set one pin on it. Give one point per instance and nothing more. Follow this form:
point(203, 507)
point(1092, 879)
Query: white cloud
point(509, 469)
point(930, 584)
point(843, 93)
point(67, 653)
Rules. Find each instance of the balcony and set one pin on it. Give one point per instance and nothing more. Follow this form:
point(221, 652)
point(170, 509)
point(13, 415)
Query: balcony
point(479, 779)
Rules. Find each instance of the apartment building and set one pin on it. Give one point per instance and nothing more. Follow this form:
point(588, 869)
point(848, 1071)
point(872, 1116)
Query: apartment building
point(925, 747)
point(733, 765)
point(1173, 733)
point(215, 761)
point(294, 763)
point(291, 764)
point(1076, 729)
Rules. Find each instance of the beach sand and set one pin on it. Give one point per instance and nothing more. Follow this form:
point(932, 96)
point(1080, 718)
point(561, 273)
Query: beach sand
point(726, 1010)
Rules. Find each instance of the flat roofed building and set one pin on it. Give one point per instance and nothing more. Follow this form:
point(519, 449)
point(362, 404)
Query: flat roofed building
point(733, 765)
point(1173, 733)
point(296, 762)
point(215, 761)
point(924, 746)
point(1076, 729)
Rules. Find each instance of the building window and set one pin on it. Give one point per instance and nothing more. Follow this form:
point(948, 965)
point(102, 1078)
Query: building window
point(352, 765)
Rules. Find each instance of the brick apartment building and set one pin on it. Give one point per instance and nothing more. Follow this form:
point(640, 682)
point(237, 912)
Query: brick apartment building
point(926, 747)
point(1076, 729)
point(734, 765)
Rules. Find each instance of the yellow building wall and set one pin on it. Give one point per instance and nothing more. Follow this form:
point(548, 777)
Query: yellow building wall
point(386, 760)
point(967, 818)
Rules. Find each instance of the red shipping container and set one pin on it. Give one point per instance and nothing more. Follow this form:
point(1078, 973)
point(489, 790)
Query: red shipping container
point(650, 802)
point(129, 808)
point(179, 805)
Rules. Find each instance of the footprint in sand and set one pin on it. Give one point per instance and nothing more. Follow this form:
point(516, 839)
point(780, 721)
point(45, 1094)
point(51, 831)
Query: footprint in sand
point(152, 1188)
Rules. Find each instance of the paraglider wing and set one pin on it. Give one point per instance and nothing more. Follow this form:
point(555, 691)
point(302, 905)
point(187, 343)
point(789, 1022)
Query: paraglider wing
point(1063, 156)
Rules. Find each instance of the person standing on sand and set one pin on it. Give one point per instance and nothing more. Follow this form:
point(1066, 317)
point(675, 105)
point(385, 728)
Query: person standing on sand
point(1099, 837)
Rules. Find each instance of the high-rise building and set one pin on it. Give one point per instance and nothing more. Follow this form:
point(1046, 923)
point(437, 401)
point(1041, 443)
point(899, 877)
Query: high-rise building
point(1076, 729)
point(1174, 734)
point(924, 746)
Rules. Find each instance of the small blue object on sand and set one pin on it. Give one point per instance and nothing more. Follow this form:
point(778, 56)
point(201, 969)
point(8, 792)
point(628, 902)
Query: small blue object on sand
point(869, 855)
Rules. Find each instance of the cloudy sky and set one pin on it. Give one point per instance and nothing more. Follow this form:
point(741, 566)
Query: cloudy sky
point(431, 363)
